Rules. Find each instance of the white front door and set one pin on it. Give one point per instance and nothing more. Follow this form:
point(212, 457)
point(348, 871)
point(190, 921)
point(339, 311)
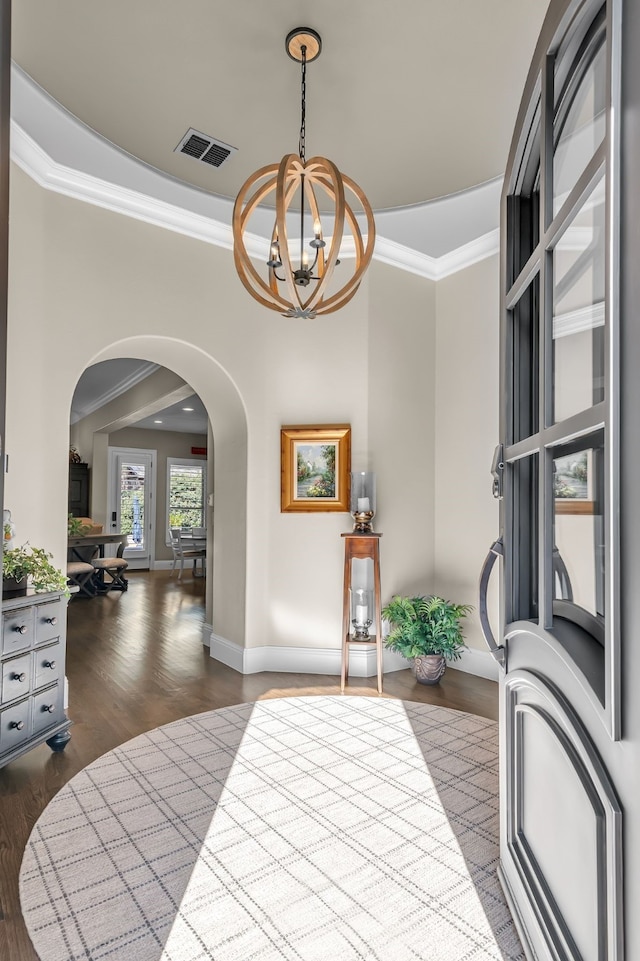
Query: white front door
point(132, 502)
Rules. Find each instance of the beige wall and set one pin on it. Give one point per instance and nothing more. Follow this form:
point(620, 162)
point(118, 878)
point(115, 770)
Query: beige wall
point(402, 396)
point(88, 285)
point(573, 374)
point(466, 514)
point(108, 286)
point(575, 537)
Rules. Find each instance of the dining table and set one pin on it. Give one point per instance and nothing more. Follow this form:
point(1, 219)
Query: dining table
point(101, 541)
point(197, 541)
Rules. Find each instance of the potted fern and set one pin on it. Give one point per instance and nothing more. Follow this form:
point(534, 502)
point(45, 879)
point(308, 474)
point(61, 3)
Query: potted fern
point(426, 630)
point(21, 565)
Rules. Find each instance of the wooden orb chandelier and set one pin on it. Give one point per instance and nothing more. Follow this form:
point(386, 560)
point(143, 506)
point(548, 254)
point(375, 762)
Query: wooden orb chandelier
point(300, 268)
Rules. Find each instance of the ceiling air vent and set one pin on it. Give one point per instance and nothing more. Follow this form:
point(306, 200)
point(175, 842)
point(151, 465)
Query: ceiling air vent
point(205, 148)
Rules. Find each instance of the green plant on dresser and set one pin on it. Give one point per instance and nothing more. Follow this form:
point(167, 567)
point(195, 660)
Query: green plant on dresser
point(21, 565)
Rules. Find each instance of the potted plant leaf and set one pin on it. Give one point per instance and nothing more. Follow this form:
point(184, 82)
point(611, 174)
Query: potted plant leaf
point(26, 564)
point(76, 527)
point(426, 630)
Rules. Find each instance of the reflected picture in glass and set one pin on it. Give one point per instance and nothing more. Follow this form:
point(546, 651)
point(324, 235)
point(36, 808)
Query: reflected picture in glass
point(571, 477)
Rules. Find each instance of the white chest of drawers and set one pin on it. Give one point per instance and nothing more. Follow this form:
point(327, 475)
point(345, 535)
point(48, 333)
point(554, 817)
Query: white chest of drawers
point(32, 658)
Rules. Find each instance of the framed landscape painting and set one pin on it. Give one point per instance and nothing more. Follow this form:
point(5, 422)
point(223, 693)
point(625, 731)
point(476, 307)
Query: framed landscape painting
point(315, 464)
point(573, 483)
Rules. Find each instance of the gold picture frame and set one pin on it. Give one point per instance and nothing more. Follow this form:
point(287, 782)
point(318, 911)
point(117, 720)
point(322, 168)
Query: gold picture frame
point(315, 464)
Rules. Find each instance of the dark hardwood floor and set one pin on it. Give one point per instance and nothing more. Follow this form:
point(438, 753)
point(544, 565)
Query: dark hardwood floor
point(136, 661)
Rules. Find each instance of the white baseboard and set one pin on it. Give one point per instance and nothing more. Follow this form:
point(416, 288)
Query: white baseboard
point(161, 565)
point(227, 652)
point(207, 631)
point(310, 660)
point(480, 663)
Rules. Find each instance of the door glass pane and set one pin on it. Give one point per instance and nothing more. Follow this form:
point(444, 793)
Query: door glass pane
point(578, 310)
point(579, 128)
point(578, 554)
point(524, 559)
point(132, 503)
point(525, 328)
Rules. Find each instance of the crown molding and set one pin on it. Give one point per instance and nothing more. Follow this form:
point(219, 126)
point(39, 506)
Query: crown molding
point(139, 374)
point(436, 268)
point(578, 320)
point(65, 156)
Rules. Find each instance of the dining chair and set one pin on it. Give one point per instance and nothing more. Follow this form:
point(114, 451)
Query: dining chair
point(114, 568)
point(80, 575)
point(80, 569)
point(183, 548)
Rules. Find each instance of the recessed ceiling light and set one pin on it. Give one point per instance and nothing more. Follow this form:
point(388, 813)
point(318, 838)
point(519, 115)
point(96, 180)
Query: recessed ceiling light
point(157, 422)
point(187, 408)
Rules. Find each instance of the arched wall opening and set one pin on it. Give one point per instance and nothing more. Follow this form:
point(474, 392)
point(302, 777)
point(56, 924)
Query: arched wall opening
point(226, 589)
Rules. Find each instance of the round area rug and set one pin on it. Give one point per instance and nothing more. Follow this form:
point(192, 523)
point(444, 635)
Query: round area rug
point(305, 828)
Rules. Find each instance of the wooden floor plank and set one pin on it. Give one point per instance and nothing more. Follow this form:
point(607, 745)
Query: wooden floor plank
point(136, 661)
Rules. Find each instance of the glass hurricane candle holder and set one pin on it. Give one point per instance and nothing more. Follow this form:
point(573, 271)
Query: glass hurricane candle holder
point(361, 612)
point(363, 500)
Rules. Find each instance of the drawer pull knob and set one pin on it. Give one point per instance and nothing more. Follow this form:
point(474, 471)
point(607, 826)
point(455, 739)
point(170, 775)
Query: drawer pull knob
point(50, 708)
point(51, 620)
point(16, 725)
point(19, 677)
point(20, 628)
point(50, 664)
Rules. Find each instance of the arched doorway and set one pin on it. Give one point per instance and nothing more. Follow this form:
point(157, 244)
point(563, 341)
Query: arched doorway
point(226, 589)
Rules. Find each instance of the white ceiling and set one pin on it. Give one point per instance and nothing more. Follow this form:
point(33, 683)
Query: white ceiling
point(103, 382)
point(414, 100)
point(187, 416)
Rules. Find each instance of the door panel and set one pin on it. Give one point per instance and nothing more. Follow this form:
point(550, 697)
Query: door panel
point(563, 825)
point(561, 821)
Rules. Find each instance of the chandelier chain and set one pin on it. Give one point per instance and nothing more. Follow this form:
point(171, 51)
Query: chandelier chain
point(303, 106)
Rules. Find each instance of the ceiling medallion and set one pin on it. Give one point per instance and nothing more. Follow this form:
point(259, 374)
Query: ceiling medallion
point(301, 262)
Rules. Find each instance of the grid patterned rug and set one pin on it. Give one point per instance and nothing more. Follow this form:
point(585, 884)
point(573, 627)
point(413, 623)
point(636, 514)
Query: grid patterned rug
point(306, 828)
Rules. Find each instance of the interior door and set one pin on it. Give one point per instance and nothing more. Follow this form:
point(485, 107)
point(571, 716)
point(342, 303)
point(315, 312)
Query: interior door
point(132, 502)
point(556, 473)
